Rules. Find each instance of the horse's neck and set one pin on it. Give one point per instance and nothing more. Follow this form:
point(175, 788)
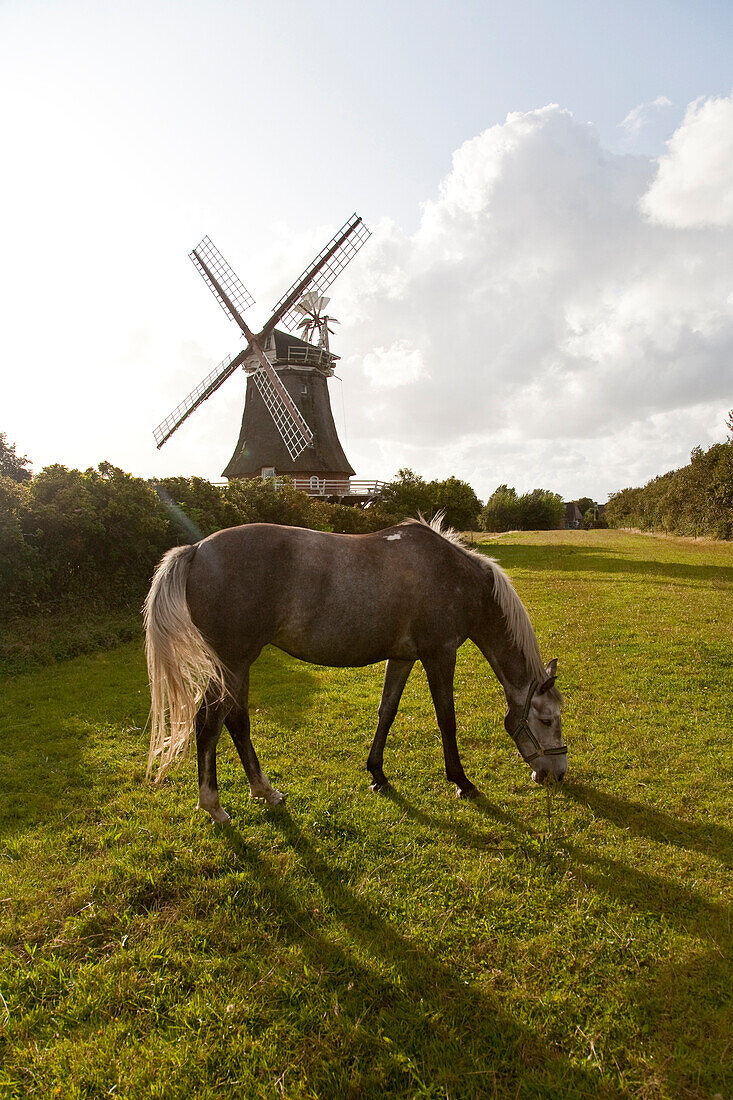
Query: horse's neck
point(509, 662)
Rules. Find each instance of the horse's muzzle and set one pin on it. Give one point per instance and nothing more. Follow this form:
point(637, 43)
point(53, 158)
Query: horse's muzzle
point(554, 770)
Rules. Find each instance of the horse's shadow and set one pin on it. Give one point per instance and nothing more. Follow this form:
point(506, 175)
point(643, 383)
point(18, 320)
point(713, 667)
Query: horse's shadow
point(707, 838)
point(382, 979)
point(469, 837)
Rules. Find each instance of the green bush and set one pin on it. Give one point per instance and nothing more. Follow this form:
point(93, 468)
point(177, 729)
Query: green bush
point(501, 511)
point(408, 495)
point(694, 500)
point(540, 510)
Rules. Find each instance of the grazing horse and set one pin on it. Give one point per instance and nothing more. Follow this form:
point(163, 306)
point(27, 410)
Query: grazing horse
point(412, 592)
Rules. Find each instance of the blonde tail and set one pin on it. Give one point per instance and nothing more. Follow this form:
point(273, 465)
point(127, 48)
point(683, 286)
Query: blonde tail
point(181, 663)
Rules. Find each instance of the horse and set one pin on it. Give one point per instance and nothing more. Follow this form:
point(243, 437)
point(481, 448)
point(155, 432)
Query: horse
point(413, 592)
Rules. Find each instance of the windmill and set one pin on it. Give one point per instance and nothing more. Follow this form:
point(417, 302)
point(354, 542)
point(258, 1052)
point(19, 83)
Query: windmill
point(287, 424)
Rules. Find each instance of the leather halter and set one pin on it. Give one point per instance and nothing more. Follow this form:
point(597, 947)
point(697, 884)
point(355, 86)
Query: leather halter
point(524, 728)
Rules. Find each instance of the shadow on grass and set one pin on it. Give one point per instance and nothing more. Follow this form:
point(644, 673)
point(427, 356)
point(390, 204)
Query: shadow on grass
point(284, 686)
point(50, 722)
point(708, 838)
point(570, 559)
point(53, 724)
point(686, 1001)
point(410, 1023)
point(468, 837)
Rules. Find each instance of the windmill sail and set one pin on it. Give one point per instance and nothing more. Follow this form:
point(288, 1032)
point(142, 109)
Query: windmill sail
point(197, 396)
point(318, 277)
point(231, 294)
point(294, 432)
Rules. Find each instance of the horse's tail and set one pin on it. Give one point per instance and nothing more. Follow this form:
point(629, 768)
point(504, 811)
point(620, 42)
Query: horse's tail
point(181, 663)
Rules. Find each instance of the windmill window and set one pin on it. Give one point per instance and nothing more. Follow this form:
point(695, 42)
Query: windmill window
point(268, 471)
point(304, 388)
point(314, 482)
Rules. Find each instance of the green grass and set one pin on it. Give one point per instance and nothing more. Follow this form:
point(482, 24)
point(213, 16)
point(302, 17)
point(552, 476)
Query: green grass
point(348, 945)
point(53, 634)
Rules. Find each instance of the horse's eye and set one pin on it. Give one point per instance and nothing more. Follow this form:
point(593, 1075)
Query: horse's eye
point(546, 721)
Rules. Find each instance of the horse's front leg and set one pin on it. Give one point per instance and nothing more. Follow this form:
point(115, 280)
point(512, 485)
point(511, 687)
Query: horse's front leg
point(440, 669)
point(395, 678)
point(209, 721)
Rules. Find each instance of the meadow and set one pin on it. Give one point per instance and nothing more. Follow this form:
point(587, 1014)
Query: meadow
point(574, 942)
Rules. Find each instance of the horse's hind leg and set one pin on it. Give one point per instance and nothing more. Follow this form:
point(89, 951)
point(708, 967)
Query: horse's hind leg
point(238, 724)
point(395, 678)
point(440, 669)
point(209, 721)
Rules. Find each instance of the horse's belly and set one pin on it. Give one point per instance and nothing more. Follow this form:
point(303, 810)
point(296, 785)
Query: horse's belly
point(343, 649)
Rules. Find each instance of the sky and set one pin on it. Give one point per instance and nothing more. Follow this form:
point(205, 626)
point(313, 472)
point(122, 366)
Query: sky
point(547, 296)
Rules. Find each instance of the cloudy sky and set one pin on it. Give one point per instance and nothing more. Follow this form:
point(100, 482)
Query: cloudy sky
point(547, 298)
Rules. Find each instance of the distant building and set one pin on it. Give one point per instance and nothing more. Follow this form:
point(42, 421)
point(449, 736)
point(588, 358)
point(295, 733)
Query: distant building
point(573, 518)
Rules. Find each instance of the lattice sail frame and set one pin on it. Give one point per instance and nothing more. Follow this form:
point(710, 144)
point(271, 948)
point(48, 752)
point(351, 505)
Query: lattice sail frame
point(291, 432)
point(196, 397)
point(228, 280)
point(358, 235)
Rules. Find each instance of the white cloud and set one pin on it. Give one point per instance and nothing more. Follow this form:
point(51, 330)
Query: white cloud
point(558, 337)
point(638, 117)
point(398, 365)
point(694, 183)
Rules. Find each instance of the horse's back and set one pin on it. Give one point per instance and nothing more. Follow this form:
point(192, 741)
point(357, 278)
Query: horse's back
point(328, 598)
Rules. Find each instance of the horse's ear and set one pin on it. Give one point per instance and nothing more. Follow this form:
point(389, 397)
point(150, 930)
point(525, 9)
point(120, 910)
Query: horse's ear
point(551, 671)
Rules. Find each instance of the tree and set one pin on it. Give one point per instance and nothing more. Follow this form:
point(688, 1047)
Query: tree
point(501, 511)
point(11, 465)
point(21, 571)
point(594, 519)
point(540, 510)
point(196, 507)
point(268, 501)
point(407, 495)
point(459, 502)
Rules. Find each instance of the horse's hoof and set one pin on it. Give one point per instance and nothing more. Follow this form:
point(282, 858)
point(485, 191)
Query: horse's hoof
point(218, 816)
point(467, 792)
point(273, 797)
point(380, 788)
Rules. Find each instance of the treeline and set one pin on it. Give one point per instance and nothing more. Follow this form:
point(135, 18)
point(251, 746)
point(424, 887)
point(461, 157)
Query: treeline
point(694, 500)
point(95, 536)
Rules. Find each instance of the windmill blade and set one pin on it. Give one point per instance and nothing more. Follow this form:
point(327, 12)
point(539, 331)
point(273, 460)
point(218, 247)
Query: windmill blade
point(311, 304)
point(318, 277)
point(294, 432)
point(197, 396)
point(231, 294)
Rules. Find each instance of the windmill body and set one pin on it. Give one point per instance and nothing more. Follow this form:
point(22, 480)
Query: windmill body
point(287, 426)
point(304, 370)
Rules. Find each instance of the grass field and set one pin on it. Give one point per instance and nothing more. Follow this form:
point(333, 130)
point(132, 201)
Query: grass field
point(346, 945)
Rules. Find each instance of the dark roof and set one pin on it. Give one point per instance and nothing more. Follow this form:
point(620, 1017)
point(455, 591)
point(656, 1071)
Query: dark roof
point(309, 353)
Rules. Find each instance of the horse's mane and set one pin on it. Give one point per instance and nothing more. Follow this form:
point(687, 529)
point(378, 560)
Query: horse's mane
point(514, 611)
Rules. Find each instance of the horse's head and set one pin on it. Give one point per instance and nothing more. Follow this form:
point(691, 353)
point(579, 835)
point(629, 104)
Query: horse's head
point(535, 727)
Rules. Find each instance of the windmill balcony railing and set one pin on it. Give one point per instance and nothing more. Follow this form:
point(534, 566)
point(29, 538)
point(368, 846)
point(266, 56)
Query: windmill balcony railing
point(310, 357)
point(328, 487)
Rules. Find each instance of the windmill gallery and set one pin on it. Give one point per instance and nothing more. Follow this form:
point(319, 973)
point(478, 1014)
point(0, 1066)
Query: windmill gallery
point(287, 424)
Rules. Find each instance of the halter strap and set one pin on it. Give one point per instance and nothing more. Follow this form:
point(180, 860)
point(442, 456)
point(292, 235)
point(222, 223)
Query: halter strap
point(524, 728)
